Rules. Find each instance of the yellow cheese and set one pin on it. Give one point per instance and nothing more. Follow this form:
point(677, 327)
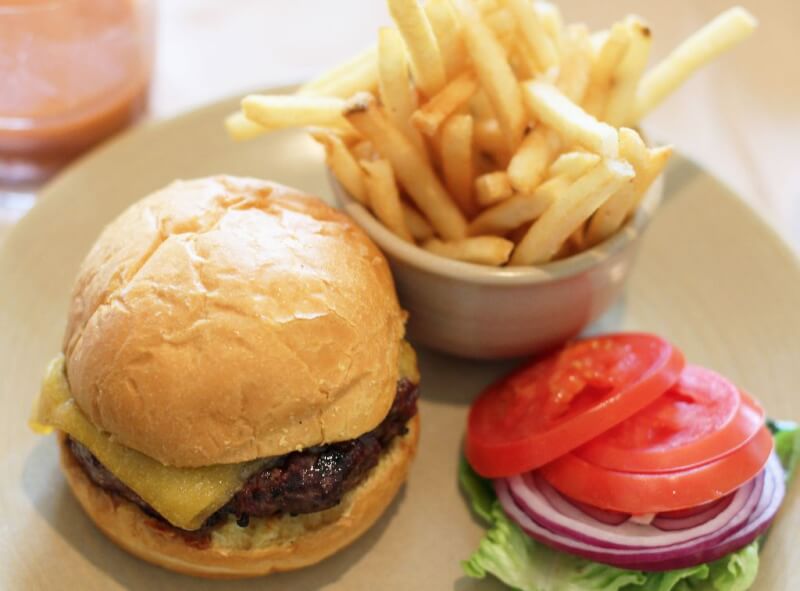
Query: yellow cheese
point(185, 497)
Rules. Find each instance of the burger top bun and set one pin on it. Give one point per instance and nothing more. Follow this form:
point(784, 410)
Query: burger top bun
point(224, 319)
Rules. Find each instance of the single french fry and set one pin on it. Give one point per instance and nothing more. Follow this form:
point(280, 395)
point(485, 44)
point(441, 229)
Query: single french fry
point(495, 74)
point(458, 91)
point(611, 52)
point(483, 250)
point(342, 164)
point(620, 109)
point(240, 128)
point(534, 32)
point(384, 198)
point(573, 164)
point(518, 209)
point(647, 164)
point(576, 64)
point(426, 59)
point(457, 160)
point(448, 34)
point(489, 141)
point(356, 74)
point(397, 95)
point(552, 21)
point(529, 163)
point(571, 209)
point(288, 110)
point(416, 223)
point(547, 104)
point(492, 188)
point(410, 167)
point(724, 32)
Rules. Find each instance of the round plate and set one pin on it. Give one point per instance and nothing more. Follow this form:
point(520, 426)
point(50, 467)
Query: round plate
point(712, 277)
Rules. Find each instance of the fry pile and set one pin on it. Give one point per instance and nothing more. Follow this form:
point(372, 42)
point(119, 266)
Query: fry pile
point(488, 131)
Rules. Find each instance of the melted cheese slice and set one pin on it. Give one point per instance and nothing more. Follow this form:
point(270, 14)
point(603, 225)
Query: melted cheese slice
point(185, 497)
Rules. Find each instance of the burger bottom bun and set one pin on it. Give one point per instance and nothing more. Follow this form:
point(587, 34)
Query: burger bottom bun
point(267, 545)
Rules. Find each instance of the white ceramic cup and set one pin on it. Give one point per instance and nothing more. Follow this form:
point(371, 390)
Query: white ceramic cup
point(484, 312)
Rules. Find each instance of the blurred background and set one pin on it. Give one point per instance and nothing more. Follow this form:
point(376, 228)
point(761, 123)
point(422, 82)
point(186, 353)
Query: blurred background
point(740, 117)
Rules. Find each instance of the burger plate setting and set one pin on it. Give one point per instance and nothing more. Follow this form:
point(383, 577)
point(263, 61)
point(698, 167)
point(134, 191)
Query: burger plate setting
point(431, 320)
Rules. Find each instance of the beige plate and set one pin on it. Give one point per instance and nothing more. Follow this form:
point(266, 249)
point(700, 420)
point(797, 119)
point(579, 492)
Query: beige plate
point(712, 277)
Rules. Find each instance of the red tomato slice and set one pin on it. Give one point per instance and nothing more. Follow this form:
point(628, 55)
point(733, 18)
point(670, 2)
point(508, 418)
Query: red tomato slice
point(654, 493)
point(700, 419)
point(551, 406)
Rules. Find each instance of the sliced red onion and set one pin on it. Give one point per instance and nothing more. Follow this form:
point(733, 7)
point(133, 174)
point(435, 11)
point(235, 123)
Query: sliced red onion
point(645, 547)
point(685, 521)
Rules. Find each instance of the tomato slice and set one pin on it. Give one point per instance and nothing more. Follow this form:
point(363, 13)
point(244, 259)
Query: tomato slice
point(700, 419)
point(553, 405)
point(654, 493)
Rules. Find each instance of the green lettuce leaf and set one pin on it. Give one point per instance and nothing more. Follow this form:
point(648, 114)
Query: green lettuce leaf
point(522, 563)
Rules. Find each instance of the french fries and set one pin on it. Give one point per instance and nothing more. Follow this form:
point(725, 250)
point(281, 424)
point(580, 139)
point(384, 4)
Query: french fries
point(447, 30)
point(429, 117)
point(495, 74)
point(426, 60)
point(724, 32)
point(457, 160)
point(397, 95)
point(622, 97)
point(492, 187)
point(384, 198)
point(570, 210)
point(343, 164)
point(488, 131)
point(575, 125)
point(484, 250)
point(410, 166)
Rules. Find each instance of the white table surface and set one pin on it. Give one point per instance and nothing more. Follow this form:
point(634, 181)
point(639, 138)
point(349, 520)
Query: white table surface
point(740, 117)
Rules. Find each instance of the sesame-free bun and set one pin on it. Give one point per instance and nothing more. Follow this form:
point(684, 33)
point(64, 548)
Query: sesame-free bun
point(267, 545)
point(224, 319)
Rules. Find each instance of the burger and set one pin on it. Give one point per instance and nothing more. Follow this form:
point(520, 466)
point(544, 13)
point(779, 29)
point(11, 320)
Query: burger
point(235, 395)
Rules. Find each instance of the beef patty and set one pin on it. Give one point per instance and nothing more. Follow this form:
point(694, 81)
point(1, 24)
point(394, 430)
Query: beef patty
point(299, 482)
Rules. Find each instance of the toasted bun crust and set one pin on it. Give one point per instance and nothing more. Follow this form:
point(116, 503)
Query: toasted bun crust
point(268, 545)
point(224, 319)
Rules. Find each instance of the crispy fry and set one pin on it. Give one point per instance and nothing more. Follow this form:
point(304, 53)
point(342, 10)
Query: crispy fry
point(397, 95)
point(553, 23)
point(489, 141)
point(384, 199)
point(573, 164)
point(457, 161)
point(529, 164)
point(457, 92)
point(240, 128)
point(416, 223)
point(356, 74)
point(576, 63)
point(622, 97)
point(484, 250)
point(343, 165)
point(549, 105)
point(571, 209)
point(492, 188)
point(426, 60)
point(659, 158)
point(519, 209)
point(534, 32)
point(448, 34)
point(725, 31)
point(410, 166)
point(287, 110)
point(611, 52)
point(495, 74)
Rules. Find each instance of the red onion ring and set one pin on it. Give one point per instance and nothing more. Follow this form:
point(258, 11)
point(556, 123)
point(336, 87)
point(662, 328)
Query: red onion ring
point(656, 550)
